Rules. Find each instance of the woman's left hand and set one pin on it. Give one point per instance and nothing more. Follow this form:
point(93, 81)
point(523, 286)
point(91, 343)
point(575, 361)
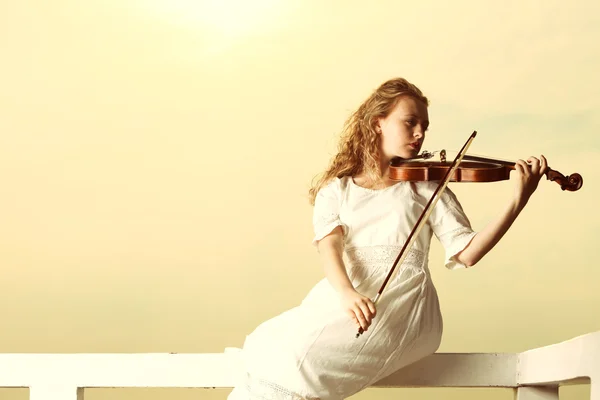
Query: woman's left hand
point(528, 177)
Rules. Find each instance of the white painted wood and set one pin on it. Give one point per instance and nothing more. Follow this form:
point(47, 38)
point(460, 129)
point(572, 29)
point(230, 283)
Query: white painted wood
point(537, 393)
point(219, 370)
point(55, 392)
point(457, 370)
point(531, 373)
point(119, 370)
point(573, 361)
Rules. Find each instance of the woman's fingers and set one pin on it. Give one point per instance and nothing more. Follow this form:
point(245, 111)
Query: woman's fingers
point(360, 308)
point(534, 163)
point(365, 310)
point(544, 165)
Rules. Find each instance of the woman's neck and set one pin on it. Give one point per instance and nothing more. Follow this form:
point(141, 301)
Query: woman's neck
point(367, 182)
point(382, 181)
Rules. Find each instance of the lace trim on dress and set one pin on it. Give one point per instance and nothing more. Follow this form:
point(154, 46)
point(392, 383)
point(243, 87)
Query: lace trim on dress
point(260, 389)
point(325, 219)
point(455, 241)
point(457, 231)
point(385, 254)
point(323, 225)
point(366, 262)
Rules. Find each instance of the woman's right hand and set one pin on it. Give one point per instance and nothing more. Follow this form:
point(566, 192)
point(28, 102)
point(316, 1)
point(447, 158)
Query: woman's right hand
point(360, 309)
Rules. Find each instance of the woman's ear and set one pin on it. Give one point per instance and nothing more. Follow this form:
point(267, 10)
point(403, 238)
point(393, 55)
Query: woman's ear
point(377, 127)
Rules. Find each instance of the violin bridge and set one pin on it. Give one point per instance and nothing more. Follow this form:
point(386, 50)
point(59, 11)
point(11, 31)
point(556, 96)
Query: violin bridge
point(426, 155)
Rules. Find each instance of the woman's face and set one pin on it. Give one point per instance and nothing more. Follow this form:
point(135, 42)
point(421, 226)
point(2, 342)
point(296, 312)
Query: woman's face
point(403, 130)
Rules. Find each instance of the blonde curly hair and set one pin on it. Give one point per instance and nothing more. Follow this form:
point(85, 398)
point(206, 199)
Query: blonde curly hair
point(358, 149)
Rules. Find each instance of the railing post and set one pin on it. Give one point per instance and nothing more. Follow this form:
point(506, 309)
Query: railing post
point(537, 393)
point(55, 392)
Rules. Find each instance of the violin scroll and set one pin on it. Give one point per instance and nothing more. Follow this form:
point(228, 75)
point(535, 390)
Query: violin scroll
point(570, 183)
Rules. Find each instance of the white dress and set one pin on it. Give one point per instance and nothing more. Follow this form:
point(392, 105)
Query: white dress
point(311, 351)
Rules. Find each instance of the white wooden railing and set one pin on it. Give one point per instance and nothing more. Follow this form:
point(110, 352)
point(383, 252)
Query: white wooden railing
point(534, 374)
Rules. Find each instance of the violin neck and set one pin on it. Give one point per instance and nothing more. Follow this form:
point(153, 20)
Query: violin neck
point(492, 160)
point(571, 182)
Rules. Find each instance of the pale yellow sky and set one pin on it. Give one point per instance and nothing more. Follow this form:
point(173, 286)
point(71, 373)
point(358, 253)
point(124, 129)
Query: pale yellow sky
point(156, 157)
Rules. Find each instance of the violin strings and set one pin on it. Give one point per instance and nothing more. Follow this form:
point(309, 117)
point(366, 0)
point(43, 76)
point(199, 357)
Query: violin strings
point(477, 157)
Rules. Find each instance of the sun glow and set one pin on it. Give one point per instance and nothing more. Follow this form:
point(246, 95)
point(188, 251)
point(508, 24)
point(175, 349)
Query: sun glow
point(225, 18)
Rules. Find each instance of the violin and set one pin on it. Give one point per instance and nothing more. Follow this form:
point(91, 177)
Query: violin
point(474, 169)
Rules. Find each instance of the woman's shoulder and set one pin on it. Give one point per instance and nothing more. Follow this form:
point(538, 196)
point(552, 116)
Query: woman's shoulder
point(332, 188)
point(337, 183)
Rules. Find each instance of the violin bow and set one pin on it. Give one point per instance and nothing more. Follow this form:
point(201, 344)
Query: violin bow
point(423, 218)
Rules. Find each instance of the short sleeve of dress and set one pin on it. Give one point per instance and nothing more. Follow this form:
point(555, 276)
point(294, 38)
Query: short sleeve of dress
point(326, 212)
point(452, 227)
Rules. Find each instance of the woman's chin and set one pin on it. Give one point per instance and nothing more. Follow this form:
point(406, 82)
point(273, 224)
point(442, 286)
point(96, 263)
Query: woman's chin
point(407, 155)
